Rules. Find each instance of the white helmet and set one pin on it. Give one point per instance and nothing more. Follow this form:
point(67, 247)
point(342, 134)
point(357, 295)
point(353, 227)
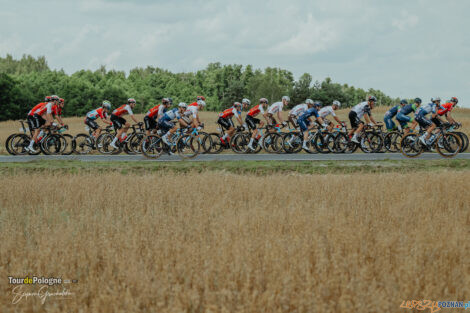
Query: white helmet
point(337, 103)
point(246, 101)
point(182, 105)
point(286, 98)
point(237, 104)
point(106, 104)
point(201, 102)
point(309, 101)
point(435, 99)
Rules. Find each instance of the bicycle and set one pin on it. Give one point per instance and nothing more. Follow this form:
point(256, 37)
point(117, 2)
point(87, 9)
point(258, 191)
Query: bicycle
point(85, 143)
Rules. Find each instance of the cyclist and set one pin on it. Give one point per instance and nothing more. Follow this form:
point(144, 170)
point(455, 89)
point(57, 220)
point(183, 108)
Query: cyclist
point(404, 119)
point(426, 123)
point(225, 120)
point(330, 110)
point(193, 111)
point(446, 108)
point(154, 114)
point(119, 123)
point(252, 121)
point(274, 108)
point(390, 114)
point(102, 113)
point(165, 123)
point(298, 110)
point(305, 123)
point(30, 118)
point(43, 115)
point(357, 112)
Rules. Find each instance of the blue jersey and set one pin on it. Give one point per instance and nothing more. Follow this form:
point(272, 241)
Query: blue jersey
point(426, 109)
point(393, 111)
point(308, 113)
point(407, 109)
point(170, 115)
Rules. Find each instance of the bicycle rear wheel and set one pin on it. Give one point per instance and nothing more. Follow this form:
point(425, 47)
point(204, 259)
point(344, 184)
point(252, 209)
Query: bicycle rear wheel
point(69, 145)
point(82, 144)
point(448, 145)
point(272, 143)
point(392, 141)
point(18, 144)
point(464, 140)
point(53, 144)
point(152, 146)
point(410, 146)
point(188, 146)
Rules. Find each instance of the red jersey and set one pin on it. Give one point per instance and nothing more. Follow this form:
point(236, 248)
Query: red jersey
point(257, 109)
point(153, 112)
point(228, 113)
point(122, 110)
point(446, 107)
point(36, 107)
point(48, 108)
point(194, 104)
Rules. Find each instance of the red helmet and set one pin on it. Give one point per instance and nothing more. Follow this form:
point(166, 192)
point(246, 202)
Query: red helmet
point(454, 100)
point(200, 98)
point(61, 100)
point(48, 98)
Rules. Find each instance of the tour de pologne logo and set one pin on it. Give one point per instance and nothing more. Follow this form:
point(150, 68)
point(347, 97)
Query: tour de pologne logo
point(40, 287)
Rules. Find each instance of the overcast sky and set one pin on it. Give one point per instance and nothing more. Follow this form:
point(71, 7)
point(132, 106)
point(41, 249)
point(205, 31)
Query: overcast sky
point(405, 48)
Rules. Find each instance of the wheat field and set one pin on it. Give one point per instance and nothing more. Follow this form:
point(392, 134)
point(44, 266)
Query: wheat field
point(76, 124)
point(220, 242)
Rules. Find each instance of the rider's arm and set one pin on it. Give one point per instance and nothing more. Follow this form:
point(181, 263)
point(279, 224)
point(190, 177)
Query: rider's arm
point(281, 120)
point(338, 120)
point(59, 119)
point(182, 122)
point(449, 118)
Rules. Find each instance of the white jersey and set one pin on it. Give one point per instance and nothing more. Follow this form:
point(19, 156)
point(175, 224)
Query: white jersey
point(275, 107)
point(192, 110)
point(361, 108)
point(298, 109)
point(324, 112)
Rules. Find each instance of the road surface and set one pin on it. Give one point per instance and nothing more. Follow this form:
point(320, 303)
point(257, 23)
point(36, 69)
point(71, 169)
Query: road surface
point(232, 157)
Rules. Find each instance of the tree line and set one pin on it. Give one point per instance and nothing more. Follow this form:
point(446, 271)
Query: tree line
point(25, 82)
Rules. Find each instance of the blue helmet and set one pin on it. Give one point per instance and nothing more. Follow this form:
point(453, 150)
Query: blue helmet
point(418, 100)
point(404, 102)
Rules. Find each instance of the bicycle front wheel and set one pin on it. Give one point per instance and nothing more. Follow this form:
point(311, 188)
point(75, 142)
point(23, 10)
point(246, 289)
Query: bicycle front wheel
point(188, 146)
point(448, 145)
point(152, 146)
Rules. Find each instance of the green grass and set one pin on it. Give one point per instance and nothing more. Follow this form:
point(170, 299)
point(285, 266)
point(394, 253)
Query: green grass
point(237, 167)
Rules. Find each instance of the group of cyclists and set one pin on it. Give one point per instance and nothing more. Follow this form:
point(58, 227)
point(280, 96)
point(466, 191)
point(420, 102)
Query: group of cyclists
point(304, 116)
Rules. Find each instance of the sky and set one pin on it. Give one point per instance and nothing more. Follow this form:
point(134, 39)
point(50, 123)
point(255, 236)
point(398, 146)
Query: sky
point(413, 48)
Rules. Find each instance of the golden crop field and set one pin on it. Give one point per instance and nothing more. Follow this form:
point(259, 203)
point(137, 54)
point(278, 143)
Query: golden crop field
point(221, 242)
point(76, 124)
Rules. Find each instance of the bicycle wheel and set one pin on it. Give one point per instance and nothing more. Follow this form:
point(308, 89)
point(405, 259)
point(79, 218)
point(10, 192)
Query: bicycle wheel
point(206, 144)
point(82, 144)
point(410, 145)
point(216, 144)
point(392, 141)
point(239, 143)
point(272, 143)
point(152, 146)
point(292, 142)
point(188, 146)
point(320, 142)
point(53, 144)
point(8, 144)
point(69, 145)
point(371, 142)
point(464, 140)
point(448, 145)
point(18, 144)
point(103, 144)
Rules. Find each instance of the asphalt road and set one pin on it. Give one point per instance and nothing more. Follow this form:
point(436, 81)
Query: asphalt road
point(232, 157)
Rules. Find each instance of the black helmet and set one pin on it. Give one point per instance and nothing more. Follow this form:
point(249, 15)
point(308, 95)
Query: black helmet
point(403, 101)
point(418, 100)
point(372, 98)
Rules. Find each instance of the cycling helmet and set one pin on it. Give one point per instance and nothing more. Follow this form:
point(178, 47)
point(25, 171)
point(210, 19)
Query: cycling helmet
point(435, 99)
point(170, 100)
point(131, 100)
point(317, 103)
point(55, 98)
point(286, 98)
point(106, 104)
point(418, 100)
point(61, 100)
point(200, 98)
point(246, 101)
point(337, 103)
point(372, 98)
point(48, 98)
point(201, 102)
point(263, 100)
point(237, 104)
point(403, 101)
point(309, 101)
point(454, 100)
point(165, 100)
point(182, 105)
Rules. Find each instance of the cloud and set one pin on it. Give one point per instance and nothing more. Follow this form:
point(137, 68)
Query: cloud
point(406, 21)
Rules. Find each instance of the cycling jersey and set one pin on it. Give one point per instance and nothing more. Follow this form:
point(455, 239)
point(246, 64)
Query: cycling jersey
point(228, 113)
point(93, 115)
point(56, 110)
point(407, 109)
point(156, 111)
point(361, 109)
point(257, 109)
point(444, 108)
point(122, 110)
point(298, 109)
point(393, 111)
point(170, 115)
point(194, 104)
point(324, 112)
point(44, 109)
point(275, 107)
point(36, 107)
point(426, 109)
point(308, 113)
point(192, 110)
